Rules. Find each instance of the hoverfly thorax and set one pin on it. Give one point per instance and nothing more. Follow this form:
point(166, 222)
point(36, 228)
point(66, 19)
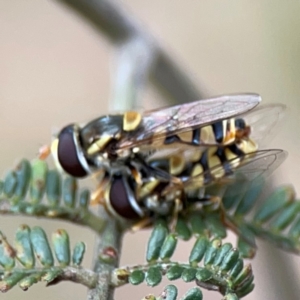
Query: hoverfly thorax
point(83, 149)
point(101, 136)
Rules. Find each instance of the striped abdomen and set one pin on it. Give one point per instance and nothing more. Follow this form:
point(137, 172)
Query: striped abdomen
point(222, 132)
point(206, 165)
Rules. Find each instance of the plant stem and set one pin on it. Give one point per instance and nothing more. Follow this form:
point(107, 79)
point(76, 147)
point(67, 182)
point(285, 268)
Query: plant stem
point(106, 258)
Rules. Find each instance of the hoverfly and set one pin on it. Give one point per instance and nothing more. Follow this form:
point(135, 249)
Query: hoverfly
point(150, 161)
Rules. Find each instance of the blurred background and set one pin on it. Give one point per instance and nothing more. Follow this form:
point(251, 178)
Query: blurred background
point(56, 69)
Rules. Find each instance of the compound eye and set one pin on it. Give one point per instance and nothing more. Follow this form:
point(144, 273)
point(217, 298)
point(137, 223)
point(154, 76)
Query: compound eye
point(68, 152)
point(120, 199)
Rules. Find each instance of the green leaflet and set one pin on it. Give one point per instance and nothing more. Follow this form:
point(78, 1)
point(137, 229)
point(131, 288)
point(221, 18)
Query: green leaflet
point(31, 244)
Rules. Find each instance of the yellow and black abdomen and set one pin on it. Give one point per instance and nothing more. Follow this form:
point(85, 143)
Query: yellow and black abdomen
point(223, 132)
point(206, 165)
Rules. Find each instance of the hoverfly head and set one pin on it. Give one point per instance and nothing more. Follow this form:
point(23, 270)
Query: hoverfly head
point(69, 152)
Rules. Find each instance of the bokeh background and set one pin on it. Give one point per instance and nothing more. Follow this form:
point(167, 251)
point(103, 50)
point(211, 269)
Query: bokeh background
point(56, 69)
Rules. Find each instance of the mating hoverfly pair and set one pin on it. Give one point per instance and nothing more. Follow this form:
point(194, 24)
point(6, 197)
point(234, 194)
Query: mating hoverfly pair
point(151, 164)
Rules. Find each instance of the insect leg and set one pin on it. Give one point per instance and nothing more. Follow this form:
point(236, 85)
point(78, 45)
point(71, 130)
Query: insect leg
point(142, 224)
point(155, 172)
point(97, 196)
point(177, 209)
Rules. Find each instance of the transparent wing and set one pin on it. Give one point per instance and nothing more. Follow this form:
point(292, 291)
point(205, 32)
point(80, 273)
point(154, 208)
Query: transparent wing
point(247, 168)
point(263, 121)
point(157, 124)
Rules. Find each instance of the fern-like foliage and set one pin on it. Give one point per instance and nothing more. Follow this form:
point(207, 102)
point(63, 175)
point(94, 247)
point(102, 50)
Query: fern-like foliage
point(170, 293)
point(31, 259)
point(275, 219)
point(32, 189)
point(211, 265)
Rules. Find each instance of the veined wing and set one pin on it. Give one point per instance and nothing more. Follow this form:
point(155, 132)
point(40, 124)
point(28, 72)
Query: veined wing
point(161, 123)
point(263, 121)
point(245, 168)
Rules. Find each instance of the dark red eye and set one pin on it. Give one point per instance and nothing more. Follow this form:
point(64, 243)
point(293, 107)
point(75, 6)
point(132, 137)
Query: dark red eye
point(69, 154)
point(120, 199)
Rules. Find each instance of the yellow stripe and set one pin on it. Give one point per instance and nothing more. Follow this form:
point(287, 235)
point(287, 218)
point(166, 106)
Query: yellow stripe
point(197, 170)
point(148, 188)
point(177, 164)
point(248, 146)
point(98, 145)
point(230, 155)
point(207, 135)
point(131, 120)
point(214, 162)
point(186, 136)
